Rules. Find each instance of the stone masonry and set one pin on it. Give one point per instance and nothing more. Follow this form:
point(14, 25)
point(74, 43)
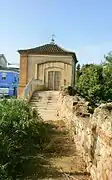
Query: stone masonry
point(91, 133)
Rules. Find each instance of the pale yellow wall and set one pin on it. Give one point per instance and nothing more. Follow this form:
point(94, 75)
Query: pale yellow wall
point(65, 69)
point(38, 67)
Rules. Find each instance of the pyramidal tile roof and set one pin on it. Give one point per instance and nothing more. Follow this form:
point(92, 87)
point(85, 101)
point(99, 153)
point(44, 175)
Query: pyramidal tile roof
point(48, 49)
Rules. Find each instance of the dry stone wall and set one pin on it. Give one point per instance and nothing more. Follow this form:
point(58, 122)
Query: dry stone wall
point(92, 133)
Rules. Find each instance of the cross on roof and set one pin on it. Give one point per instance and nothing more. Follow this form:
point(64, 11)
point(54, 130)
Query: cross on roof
point(52, 40)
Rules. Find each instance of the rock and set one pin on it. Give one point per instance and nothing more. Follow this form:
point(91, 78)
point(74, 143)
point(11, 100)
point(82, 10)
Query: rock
point(93, 133)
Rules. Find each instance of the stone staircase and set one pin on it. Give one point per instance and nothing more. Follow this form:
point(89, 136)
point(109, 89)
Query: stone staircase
point(45, 102)
point(64, 161)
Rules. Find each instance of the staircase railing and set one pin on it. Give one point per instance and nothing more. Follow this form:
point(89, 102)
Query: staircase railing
point(32, 86)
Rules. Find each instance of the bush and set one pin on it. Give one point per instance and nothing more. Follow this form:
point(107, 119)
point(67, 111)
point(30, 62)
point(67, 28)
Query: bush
point(22, 133)
point(72, 91)
point(95, 81)
point(90, 83)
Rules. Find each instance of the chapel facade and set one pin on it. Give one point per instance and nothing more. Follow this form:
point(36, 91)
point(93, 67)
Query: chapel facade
point(50, 63)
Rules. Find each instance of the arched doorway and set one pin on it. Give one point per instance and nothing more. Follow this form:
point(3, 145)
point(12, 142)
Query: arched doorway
point(54, 80)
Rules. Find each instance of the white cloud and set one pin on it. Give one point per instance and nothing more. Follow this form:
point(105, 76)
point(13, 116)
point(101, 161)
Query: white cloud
point(93, 53)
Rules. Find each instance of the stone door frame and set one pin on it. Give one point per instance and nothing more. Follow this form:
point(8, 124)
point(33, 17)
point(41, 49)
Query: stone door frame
point(47, 70)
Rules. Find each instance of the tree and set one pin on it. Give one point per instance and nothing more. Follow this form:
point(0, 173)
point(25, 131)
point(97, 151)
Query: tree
point(94, 82)
point(107, 73)
point(108, 60)
point(78, 72)
point(91, 81)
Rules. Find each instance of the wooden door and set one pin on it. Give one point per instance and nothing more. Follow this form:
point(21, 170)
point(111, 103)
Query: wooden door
point(50, 80)
point(57, 75)
point(54, 80)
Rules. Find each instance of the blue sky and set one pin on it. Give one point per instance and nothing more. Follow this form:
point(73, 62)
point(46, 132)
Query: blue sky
point(84, 26)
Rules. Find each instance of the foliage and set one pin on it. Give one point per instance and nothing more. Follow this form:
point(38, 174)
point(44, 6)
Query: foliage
point(78, 71)
point(90, 84)
point(22, 134)
point(72, 90)
point(107, 70)
point(94, 82)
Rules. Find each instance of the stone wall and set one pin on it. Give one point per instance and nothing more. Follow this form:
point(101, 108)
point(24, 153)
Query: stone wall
point(92, 133)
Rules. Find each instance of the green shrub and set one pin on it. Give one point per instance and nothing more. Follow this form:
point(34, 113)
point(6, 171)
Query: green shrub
point(90, 83)
point(95, 81)
point(72, 91)
point(22, 133)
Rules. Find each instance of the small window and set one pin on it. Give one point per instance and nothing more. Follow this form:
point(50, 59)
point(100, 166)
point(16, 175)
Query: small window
point(3, 76)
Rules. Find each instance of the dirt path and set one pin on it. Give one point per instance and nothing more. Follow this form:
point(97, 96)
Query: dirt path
point(62, 160)
point(59, 159)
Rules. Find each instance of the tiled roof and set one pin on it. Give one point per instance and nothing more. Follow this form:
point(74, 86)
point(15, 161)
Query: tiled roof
point(9, 69)
point(2, 56)
point(48, 49)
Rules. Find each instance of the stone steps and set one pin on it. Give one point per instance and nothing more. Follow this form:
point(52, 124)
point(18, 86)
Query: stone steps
point(64, 160)
point(46, 104)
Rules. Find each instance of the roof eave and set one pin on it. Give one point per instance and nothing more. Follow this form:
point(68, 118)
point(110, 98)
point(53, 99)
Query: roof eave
point(45, 53)
point(20, 51)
